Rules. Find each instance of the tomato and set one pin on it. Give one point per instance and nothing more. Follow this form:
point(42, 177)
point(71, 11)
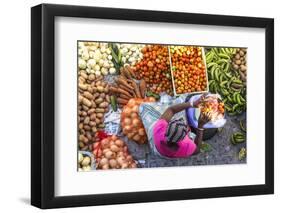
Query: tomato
point(190, 69)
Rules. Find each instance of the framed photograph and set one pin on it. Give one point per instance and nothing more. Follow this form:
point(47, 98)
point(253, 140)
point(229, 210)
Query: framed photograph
point(139, 106)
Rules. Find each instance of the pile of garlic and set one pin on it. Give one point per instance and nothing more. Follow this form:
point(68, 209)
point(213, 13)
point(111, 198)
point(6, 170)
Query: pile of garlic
point(131, 53)
point(95, 57)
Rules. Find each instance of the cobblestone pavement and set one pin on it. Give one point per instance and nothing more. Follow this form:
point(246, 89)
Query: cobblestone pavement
point(221, 150)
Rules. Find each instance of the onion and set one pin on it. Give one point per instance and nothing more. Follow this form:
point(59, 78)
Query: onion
point(103, 161)
point(136, 122)
point(127, 111)
point(130, 135)
point(105, 143)
point(132, 102)
point(133, 165)
point(137, 137)
point(119, 143)
point(114, 148)
point(99, 153)
point(124, 166)
point(141, 132)
point(127, 129)
point(113, 163)
point(129, 158)
point(134, 115)
point(127, 121)
point(111, 143)
point(114, 137)
point(104, 167)
point(109, 154)
point(120, 154)
point(120, 160)
point(96, 145)
point(135, 108)
point(105, 150)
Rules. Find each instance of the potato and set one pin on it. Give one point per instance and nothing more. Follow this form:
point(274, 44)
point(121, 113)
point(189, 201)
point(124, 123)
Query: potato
point(86, 161)
point(87, 102)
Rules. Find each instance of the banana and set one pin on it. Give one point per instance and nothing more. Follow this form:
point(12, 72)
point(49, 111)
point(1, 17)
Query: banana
point(223, 83)
point(226, 68)
point(242, 99)
point(211, 64)
point(221, 77)
point(209, 56)
point(238, 81)
point(212, 71)
point(230, 100)
point(222, 60)
point(224, 55)
point(235, 106)
point(217, 72)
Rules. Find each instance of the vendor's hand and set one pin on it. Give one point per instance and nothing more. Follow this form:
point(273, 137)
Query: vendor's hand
point(203, 119)
point(199, 100)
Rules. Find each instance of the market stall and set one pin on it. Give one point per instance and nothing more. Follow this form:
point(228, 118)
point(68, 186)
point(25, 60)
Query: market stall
point(114, 80)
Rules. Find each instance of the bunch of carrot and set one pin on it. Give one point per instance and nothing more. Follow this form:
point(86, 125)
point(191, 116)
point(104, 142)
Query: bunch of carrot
point(126, 87)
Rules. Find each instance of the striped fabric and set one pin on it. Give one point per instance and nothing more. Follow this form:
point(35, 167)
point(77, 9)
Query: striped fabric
point(176, 131)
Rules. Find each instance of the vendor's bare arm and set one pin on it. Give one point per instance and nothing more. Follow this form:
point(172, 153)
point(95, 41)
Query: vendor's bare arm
point(172, 110)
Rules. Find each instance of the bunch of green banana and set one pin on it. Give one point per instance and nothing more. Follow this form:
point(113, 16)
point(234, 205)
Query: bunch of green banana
point(237, 138)
point(242, 125)
point(224, 80)
point(242, 153)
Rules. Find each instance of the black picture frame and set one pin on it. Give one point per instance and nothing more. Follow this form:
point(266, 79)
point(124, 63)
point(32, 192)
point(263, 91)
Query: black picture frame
point(43, 117)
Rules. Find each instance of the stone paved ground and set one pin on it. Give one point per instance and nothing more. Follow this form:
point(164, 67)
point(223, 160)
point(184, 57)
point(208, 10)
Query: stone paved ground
point(221, 150)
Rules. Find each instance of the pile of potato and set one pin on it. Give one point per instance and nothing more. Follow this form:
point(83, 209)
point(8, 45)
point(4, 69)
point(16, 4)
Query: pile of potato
point(239, 63)
point(93, 101)
point(131, 122)
point(112, 153)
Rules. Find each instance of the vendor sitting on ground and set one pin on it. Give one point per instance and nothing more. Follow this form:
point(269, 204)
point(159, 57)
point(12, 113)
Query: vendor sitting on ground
point(171, 138)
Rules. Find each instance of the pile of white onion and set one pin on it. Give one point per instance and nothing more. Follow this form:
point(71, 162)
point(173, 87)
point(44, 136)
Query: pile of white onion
point(112, 153)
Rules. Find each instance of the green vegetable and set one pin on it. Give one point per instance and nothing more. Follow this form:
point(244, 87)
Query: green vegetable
point(152, 94)
point(237, 138)
point(242, 125)
point(242, 153)
point(205, 147)
point(116, 56)
point(113, 102)
point(226, 81)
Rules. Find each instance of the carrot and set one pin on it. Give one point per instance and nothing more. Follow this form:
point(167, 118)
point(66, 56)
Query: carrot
point(142, 88)
point(136, 89)
point(127, 72)
point(132, 72)
point(122, 91)
point(125, 88)
point(125, 97)
point(113, 89)
point(121, 81)
point(122, 101)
